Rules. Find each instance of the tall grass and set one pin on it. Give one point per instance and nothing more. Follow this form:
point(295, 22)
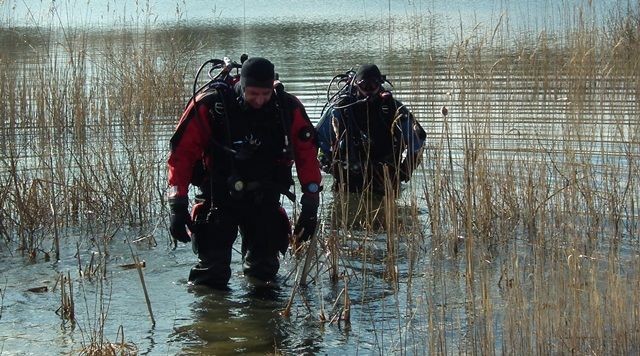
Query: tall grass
point(552, 208)
point(81, 133)
point(531, 185)
point(530, 181)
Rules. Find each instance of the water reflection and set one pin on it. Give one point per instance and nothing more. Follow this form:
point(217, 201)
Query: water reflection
point(368, 212)
point(246, 321)
point(509, 100)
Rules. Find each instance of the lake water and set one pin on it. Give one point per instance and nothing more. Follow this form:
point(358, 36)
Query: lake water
point(422, 46)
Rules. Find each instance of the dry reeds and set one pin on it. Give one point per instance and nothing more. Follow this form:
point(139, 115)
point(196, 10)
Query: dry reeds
point(80, 141)
point(530, 182)
point(550, 212)
point(67, 305)
point(531, 188)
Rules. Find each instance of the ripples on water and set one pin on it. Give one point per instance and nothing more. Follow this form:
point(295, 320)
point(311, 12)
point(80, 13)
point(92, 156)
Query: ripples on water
point(415, 43)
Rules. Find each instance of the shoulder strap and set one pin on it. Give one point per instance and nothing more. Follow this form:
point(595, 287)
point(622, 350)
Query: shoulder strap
point(187, 116)
point(286, 106)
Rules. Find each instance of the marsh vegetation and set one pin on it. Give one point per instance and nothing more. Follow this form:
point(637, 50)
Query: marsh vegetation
point(519, 234)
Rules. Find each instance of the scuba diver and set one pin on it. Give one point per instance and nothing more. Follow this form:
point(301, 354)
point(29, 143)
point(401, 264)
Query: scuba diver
point(236, 141)
point(368, 139)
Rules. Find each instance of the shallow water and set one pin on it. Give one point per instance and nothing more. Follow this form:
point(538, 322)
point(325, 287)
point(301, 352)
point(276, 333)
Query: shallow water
point(410, 42)
point(192, 320)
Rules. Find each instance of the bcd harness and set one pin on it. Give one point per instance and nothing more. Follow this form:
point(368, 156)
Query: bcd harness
point(251, 146)
point(235, 143)
point(366, 132)
point(356, 139)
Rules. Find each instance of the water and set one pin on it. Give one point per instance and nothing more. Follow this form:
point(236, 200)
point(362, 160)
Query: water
point(309, 43)
point(189, 320)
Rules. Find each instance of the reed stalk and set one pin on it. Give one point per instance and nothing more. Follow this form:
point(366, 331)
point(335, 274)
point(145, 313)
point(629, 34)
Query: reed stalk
point(138, 266)
point(530, 179)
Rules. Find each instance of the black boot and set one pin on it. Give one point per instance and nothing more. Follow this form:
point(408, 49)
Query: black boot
point(213, 244)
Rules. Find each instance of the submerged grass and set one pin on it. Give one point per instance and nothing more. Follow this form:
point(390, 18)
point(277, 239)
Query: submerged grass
point(529, 243)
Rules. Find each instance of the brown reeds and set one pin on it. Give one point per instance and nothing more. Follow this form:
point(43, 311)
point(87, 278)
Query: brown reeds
point(138, 266)
point(565, 196)
point(120, 348)
point(530, 180)
point(94, 341)
point(79, 149)
point(67, 305)
point(3, 290)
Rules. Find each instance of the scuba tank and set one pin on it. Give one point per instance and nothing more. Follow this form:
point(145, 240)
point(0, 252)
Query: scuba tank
point(342, 95)
point(346, 93)
point(222, 81)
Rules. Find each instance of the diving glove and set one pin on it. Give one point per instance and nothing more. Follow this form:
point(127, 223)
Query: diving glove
point(180, 218)
point(308, 219)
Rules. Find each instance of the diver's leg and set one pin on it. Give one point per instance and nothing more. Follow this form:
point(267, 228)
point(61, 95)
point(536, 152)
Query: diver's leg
point(213, 242)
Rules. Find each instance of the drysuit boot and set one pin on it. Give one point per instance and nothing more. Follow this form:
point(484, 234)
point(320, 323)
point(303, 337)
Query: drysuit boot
point(213, 242)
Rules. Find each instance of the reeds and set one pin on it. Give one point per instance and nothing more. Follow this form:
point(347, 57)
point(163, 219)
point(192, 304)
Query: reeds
point(80, 143)
point(3, 290)
point(518, 234)
point(67, 305)
point(551, 210)
point(94, 340)
point(530, 181)
point(80, 155)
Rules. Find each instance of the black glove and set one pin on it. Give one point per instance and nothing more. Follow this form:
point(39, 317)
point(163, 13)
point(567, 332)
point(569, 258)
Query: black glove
point(407, 167)
point(405, 171)
point(325, 162)
point(308, 219)
point(180, 218)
